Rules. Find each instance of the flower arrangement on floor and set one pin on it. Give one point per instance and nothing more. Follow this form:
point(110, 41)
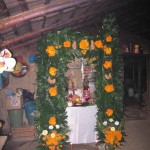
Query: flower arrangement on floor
point(112, 130)
point(52, 137)
point(56, 51)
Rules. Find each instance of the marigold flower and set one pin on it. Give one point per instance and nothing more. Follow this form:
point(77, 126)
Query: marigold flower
point(52, 121)
point(113, 137)
point(67, 44)
point(108, 38)
point(52, 71)
point(109, 112)
point(58, 46)
point(109, 88)
point(44, 138)
point(52, 147)
point(107, 50)
point(53, 91)
point(84, 44)
point(107, 64)
point(51, 51)
point(99, 44)
point(83, 51)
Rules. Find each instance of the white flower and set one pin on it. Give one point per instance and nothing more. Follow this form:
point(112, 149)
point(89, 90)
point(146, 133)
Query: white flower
point(112, 128)
point(111, 120)
point(105, 123)
point(50, 127)
point(53, 135)
point(57, 126)
point(116, 123)
point(45, 132)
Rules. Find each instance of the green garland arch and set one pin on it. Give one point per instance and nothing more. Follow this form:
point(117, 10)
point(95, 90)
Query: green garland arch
point(56, 50)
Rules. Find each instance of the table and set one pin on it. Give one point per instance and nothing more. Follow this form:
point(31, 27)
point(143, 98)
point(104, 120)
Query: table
point(82, 123)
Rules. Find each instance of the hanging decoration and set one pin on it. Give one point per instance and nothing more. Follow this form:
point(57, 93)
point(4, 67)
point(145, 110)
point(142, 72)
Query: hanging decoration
point(7, 63)
point(56, 50)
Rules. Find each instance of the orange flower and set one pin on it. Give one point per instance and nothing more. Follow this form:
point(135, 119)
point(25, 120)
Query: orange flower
point(53, 91)
point(99, 44)
point(52, 71)
point(51, 51)
point(113, 137)
point(108, 38)
point(109, 112)
point(54, 139)
point(107, 50)
point(52, 121)
point(84, 44)
point(107, 64)
point(67, 44)
point(58, 46)
point(83, 51)
point(44, 138)
point(52, 147)
point(109, 88)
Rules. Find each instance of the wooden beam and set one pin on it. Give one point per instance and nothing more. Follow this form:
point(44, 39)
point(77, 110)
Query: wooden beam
point(44, 17)
point(37, 12)
point(54, 26)
point(25, 43)
point(74, 27)
point(4, 7)
point(47, 2)
point(40, 31)
point(23, 4)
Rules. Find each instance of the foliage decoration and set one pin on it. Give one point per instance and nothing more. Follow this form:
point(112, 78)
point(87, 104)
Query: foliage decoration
point(56, 50)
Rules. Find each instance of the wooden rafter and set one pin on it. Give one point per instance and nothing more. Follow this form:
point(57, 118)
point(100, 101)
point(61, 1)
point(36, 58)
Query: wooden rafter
point(4, 7)
point(23, 4)
point(40, 11)
point(44, 17)
point(52, 27)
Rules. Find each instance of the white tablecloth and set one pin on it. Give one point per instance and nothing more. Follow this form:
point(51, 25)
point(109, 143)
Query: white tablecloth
point(82, 122)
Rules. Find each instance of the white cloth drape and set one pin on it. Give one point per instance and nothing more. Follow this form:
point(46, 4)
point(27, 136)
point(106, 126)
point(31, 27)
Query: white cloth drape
point(82, 123)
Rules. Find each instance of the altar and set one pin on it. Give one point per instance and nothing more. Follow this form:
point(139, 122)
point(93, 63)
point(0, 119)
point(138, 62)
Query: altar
point(82, 123)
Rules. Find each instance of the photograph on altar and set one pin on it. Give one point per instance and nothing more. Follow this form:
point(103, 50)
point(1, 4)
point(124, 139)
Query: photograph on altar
point(79, 89)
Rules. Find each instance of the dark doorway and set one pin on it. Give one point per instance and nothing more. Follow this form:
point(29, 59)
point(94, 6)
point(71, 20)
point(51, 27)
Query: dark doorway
point(135, 84)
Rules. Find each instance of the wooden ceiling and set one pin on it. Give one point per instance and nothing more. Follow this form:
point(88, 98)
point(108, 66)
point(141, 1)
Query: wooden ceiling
point(22, 22)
